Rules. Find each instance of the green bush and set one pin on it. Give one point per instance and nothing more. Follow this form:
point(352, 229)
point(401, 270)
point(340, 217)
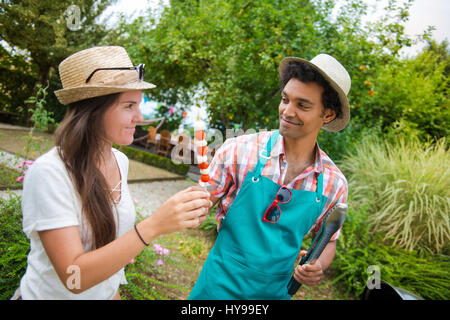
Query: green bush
point(14, 246)
point(154, 160)
point(424, 274)
point(338, 144)
point(406, 186)
point(413, 90)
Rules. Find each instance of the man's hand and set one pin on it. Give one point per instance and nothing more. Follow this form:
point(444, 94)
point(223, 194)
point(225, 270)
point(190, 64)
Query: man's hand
point(308, 274)
point(213, 200)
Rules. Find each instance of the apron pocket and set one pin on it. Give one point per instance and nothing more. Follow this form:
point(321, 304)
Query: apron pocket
point(236, 280)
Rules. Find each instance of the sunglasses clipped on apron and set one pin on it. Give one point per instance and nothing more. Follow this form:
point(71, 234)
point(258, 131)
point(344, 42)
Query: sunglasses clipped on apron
point(259, 240)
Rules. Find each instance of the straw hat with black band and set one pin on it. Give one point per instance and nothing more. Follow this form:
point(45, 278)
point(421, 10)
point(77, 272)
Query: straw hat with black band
point(99, 71)
point(339, 79)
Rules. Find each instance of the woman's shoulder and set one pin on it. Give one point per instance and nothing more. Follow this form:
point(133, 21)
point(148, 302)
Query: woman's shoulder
point(47, 168)
point(49, 161)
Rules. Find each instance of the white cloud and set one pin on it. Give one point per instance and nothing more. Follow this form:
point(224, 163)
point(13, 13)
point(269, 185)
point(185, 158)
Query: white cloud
point(425, 13)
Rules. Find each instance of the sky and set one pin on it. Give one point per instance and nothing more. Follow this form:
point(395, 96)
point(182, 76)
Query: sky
point(430, 13)
point(423, 13)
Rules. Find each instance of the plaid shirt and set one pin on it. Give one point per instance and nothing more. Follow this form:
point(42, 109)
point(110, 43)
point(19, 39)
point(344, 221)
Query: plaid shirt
point(239, 155)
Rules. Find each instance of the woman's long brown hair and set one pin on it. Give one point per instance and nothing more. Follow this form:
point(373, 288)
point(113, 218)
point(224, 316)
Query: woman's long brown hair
point(80, 139)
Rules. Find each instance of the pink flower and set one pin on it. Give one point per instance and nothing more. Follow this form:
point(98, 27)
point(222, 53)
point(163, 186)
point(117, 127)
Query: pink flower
point(28, 163)
point(161, 252)
point(132, 261)
point(158, 248)
point(23, 166)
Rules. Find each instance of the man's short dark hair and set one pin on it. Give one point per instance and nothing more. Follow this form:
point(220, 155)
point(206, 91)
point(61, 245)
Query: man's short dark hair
point(305, 73)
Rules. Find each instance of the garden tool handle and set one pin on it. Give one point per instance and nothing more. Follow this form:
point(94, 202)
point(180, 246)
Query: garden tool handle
point(333, 222)
point(293, 285)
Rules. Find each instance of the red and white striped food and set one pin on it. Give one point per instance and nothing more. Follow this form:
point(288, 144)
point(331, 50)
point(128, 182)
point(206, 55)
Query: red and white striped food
point(201, 150)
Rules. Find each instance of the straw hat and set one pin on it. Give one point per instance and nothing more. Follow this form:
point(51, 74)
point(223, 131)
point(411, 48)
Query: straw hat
point(337, 77)
point(76, 69)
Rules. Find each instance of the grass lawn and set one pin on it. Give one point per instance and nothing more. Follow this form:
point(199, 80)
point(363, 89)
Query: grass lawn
point(14, 141)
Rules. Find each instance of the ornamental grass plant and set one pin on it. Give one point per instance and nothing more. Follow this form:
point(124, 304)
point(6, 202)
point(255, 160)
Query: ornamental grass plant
point(424, 274)
point(405, 184)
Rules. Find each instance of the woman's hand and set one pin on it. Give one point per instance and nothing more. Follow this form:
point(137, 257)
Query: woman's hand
point(186, 209)
point(64, 248)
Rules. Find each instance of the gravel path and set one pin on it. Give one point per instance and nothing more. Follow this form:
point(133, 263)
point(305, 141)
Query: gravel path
point(9, 160)
point(149, 196)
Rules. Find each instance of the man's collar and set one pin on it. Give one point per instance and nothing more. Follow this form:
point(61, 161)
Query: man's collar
point(279, 151)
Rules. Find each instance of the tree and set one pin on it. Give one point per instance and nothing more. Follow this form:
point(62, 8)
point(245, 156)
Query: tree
point(36, 38)
point(231, 50)
point(413, 93)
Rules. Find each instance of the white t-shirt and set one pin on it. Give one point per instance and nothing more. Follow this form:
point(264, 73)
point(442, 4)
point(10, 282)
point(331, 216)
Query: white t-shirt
point(50, 201)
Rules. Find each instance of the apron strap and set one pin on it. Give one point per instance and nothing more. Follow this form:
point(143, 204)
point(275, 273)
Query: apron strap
point(320, 233)
point(319, 188)
point(264, 155)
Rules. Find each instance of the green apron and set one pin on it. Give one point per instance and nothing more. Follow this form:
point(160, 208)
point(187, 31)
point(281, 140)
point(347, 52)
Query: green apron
point(252, 258)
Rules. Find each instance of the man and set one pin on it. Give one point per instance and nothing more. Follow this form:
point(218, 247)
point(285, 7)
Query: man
point(275, 187)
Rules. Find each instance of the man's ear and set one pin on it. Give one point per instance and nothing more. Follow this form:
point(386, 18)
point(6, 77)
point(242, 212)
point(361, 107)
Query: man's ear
point(328, 115)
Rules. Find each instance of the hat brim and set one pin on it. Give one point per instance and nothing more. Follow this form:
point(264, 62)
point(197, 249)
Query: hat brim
point(338, 123)
point(71, 95)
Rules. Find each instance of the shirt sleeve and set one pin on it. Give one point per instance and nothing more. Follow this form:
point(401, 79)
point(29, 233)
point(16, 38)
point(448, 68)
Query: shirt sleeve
point(48, 199)
point(220, 169)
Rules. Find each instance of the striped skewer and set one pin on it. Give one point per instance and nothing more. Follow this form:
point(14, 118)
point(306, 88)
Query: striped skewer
point(201, 151)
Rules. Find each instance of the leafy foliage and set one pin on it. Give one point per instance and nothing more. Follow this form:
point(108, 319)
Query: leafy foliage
point(414, 91)
point(339, 144)
point(14, 246)
point(38, 39)
point(17, 79)
point(230, 51)
point(140, 277)
point(41, 118)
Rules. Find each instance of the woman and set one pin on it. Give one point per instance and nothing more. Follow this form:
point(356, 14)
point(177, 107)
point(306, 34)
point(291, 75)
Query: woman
point(77, 210)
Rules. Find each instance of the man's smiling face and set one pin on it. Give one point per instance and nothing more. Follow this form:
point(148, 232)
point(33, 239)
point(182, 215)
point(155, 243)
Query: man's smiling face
point(301, 111)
